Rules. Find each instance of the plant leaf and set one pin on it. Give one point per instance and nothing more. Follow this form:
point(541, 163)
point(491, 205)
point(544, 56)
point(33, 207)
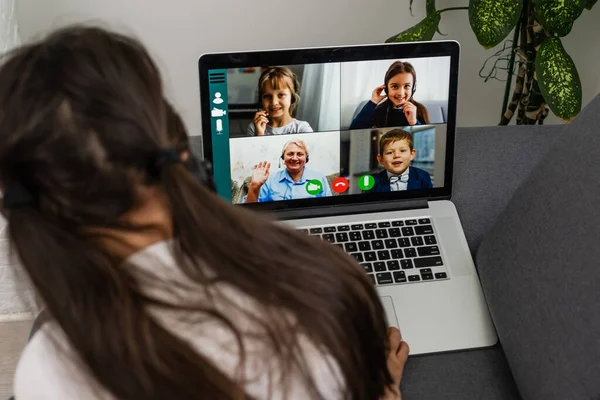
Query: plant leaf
point(590, 3)
point(430, 8)
point(493, 20)
point(423, 31)
point(558, 79)
point(558, 16)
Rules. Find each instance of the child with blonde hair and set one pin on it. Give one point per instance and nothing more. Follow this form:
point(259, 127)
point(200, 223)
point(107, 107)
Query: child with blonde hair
point(278, 98)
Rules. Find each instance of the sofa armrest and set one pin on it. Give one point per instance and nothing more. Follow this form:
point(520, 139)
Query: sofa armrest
point(490, 163)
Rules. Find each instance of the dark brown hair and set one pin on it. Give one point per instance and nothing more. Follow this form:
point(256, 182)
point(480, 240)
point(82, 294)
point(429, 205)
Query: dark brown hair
point(177, 134)
point(393, 136)
point(82, 116)
point(396, 68)
point(280, 77)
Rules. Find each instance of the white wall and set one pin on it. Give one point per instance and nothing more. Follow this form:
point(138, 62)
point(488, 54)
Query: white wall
point(178, 31)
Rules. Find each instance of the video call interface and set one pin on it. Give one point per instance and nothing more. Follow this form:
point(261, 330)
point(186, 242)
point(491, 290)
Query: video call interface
point(294, 132)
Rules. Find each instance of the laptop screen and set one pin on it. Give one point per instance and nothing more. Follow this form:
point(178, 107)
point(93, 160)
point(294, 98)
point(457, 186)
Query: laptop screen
point(294, 128)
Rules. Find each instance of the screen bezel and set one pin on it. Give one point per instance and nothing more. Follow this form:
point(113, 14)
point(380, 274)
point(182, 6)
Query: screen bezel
point(260, 58)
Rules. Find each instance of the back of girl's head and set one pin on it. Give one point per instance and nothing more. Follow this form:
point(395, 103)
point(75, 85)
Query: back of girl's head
point(84, 108)
point(83, 121)
point(280, 78)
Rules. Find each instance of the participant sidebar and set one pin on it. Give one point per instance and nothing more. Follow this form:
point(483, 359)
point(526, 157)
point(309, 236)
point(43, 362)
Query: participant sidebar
point(218, 103)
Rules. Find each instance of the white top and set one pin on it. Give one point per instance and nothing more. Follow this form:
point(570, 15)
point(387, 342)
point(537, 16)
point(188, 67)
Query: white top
point(296, 126)
point(47, 372)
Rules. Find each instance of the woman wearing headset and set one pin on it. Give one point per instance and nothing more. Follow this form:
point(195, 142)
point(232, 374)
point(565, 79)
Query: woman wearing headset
point(397, 107)
point(293, 182)
point(154, 287)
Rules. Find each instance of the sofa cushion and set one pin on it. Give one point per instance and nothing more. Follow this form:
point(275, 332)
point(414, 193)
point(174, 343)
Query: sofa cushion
point(539, 267)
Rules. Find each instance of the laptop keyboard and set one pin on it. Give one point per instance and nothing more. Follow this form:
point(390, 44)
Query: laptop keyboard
point(391, 252)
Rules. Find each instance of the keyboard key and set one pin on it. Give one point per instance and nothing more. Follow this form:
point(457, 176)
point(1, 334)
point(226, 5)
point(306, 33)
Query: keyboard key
point(377, 245)
point(379, 266)
point(404, 242)
point(303, 230)
point(384, 224)
point(383, 255)
point(414, 278)
point(428, 251)
point(406, 264)
point(424, 230)
point(393, 265)
point(350, 247)
point(427, 277)
point(357, 227)
point(430, 240)
point(394, 232)
point(341, 237)
point(368, 235)
point(408, 231)
point(384, 278)
point(390, 243)
point(440, 275)
point(367, 267)
point(343, 228)
point(358, 256)
point(329, 237)
point(397, 254)
point(410, 222)
point(428, 262)
point(424, 221)
point(329, 229)
point(425, 271)
point(316, 230)
point(355, 236)
point(370, 226)
point(370, 256)
point(397, 223)
point(417, 241)
point(364, 246)
point(381, 233)
point(410, 252)
point(372, 278)
point(399, 277)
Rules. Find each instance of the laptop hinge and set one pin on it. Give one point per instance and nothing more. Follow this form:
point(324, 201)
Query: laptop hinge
point(363, 208)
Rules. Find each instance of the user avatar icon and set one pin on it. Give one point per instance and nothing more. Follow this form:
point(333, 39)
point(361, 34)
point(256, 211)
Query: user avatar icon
point(218, 99)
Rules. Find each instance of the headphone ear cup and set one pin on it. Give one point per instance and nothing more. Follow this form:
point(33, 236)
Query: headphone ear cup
point(307, 158)
point(414, 89)
point(202, 171)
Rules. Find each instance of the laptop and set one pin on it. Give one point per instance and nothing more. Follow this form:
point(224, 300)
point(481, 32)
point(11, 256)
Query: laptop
point(354, 145)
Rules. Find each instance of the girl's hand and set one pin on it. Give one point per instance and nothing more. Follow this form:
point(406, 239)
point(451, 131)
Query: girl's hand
point(410, 111)
point(377, 95)
point(397, 356)
point(260, 121)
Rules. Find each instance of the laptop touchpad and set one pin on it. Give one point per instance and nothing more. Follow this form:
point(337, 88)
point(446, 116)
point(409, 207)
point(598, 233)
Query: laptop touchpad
point(390, 312)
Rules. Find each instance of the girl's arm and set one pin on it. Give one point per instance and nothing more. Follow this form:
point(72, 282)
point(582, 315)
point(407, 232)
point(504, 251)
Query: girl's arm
point(364, 119)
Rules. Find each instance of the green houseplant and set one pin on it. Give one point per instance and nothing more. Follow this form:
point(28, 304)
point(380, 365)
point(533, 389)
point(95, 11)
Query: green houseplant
point(546, 76)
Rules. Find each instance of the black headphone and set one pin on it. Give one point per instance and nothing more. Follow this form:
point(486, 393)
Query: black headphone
point(285, 146)
point(201, 170)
